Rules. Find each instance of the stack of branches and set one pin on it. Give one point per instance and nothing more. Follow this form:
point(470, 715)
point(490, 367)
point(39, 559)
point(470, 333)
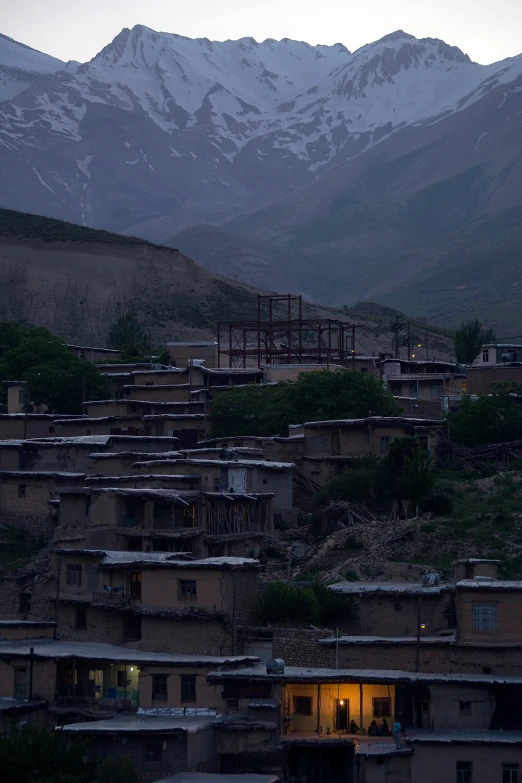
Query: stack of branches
point(341, 514)
point(479, 456)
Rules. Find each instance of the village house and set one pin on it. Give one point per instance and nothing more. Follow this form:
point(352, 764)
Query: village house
point(163, 519)
point(235, 476)
point(140, 407)
point(320, 723)
point(91, 680)
point(187, 428)
point(167, 392)
point(419, 386)
point(183, 354)
point(74, 454)
point(329, 445)
point(95, 355)
point(275, 448)
point(20, 426)
point(158, 601)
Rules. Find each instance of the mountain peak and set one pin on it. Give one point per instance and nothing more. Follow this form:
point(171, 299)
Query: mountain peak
point(396, 36)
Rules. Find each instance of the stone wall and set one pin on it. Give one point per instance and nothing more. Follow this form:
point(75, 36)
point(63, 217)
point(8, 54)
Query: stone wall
point(299, 647)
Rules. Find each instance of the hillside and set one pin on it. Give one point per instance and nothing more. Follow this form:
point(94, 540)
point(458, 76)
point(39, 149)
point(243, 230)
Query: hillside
point(337, 164)
point(74, 280)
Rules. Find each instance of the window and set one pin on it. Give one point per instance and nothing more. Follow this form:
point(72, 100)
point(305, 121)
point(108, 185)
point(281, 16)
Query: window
point(73, 574)
point(21, 490)
point(153, 751)
point(510, 773)
point(303, 705)
point(464, 708)
point(464, 772)
point(364, 369)
point(132, 628)
point(87, 505)
point(188, 687)
point(80, 619)
point(385, 444)
point(159, 687)
point(135, 589)
point(265, 481)
point(216, 484)
point(121, 679)
point(382, 707)
point(485, 618)
point(436, 390)
point(485, 357)
point(24, 603)
point(20, 680)
point(187, 590)
point(51, 429)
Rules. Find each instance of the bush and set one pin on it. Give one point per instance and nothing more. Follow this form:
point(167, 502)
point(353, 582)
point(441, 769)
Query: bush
point(117, 769)
point(282, 603)
point(438, 503)
point(354, 483)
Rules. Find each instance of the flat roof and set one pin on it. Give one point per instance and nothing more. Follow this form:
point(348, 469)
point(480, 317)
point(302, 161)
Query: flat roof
point(27, 624)
point(239, 463)
point(465, 736)
point(191, 724)
point(303, 674)
point(50, 648)
point(485, 583)
point(332, 641)
point(213, 777)
point(373, 420)
point(115, 558)
point(391, 588)
point(40, 474)
point(196, 344)
point(21, 705)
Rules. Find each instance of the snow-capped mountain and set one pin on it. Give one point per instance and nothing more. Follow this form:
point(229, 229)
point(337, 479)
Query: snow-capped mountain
point(21, 66)
point(159, 132)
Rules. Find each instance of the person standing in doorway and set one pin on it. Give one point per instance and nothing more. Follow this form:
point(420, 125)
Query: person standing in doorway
point(397, 728)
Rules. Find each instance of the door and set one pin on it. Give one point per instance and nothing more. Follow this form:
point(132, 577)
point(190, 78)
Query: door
point(422, 714)
point(341, 714)
point(237, 480)
point(135, 589)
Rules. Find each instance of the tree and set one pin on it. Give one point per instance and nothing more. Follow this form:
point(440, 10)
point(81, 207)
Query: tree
point(469, 339)
point(54, 375)
point(405, 473)
point(315, 396)
point(127, 335)
point(117, 769)
point(31, 755)
point(285, 604)
point(64, 385)
point(495, 418)
point(356, 482)
point(417, 478)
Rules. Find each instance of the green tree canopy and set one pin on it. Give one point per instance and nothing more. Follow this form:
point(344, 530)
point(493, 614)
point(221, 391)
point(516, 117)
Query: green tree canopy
point(469, 338)
point(286, 604)
point(127, 335)
point(54, 375)
point(31, 755)
point(405, 473)
point(315, 396)
point(495, 418)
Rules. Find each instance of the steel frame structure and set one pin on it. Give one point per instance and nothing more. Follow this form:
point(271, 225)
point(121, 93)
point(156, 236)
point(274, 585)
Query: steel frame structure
point(290, 340)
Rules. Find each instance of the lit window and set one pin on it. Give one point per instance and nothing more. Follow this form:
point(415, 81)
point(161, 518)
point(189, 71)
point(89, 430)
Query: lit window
point(485, 618)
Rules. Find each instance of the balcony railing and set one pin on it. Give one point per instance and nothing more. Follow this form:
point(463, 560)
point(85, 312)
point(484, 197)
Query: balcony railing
point(110, 599)
point(101, 704)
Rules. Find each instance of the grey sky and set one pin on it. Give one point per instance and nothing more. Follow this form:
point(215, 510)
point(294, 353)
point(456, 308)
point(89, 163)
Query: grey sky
point(488, 30)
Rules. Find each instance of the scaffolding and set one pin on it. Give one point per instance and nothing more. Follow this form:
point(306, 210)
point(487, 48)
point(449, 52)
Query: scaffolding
point(281, 335)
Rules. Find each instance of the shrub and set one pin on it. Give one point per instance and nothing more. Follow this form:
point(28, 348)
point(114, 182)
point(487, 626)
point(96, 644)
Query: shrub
point(285, 604)
point(438, 503)
point(117, 769)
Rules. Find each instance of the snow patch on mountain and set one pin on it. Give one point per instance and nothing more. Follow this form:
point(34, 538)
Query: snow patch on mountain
point(21, 66)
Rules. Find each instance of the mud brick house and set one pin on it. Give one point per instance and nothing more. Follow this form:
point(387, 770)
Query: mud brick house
point(275, 448)
point(183, 354)
point(422, 381)
point(236, 476)
point(141, 407)
point(98, 680)
point(164, 520)
point(482, 379)
point(159, 745)
point(301, 719)
point(95, 355)
point(20, 426)
point(28, 499)
point(153, 393)
point(156, 600)
point(329, 444)
point(74, 454)
point(187, 428)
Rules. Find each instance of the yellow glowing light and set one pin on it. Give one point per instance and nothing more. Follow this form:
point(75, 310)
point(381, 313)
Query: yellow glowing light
point(419, 345)
point(341, 702)
point(413, 356)
point(132, 668)
point(423, 626)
